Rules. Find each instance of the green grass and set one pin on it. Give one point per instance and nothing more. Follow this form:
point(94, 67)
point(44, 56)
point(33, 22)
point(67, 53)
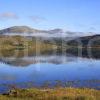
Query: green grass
point(52, 94)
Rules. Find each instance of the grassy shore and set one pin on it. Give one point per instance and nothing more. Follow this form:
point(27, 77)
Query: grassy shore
point(52, 94)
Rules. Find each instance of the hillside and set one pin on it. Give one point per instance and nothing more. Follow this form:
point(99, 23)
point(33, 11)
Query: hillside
point(94, 40)
point(19, 29)
point(28, 31)
point(45, 43)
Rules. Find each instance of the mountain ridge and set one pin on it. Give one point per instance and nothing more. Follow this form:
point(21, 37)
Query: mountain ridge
point(27, 29)
point(20, 30)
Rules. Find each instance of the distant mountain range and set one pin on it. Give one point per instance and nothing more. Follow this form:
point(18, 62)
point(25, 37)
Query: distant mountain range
point(27, 31)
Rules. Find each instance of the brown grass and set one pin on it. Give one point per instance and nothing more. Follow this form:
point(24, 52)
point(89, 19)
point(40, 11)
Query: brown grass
point(52, 94)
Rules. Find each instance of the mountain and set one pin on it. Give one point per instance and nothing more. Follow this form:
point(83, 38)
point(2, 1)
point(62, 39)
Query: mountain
point(10, 43)
point(19, 29)
point(27, 31)
point(86, 40)
point(56, 31)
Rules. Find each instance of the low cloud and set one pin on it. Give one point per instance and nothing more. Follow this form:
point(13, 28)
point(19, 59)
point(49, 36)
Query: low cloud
point(8, 15)
point(37, 19)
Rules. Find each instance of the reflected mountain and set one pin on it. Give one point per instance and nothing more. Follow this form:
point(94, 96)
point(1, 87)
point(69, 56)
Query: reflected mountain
point(26, 61)
point(21, 60)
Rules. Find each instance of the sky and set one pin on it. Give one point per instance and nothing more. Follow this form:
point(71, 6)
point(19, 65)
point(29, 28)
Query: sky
point(70, 15)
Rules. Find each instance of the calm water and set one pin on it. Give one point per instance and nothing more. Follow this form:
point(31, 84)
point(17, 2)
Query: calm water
point(35, 71)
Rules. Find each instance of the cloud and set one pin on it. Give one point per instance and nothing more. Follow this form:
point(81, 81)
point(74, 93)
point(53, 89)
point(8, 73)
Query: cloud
point(8, 15)
point(92, 28)
point(37, 19)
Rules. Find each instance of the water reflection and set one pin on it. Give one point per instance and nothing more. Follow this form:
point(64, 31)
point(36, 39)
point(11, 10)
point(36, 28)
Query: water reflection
point(36, 70)
point(25, 61)
point(49, 68)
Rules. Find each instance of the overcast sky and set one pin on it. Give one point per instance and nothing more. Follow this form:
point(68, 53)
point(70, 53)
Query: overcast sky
point(74, 15)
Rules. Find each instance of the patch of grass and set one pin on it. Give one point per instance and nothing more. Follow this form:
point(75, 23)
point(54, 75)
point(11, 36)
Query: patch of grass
point(52, 94)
